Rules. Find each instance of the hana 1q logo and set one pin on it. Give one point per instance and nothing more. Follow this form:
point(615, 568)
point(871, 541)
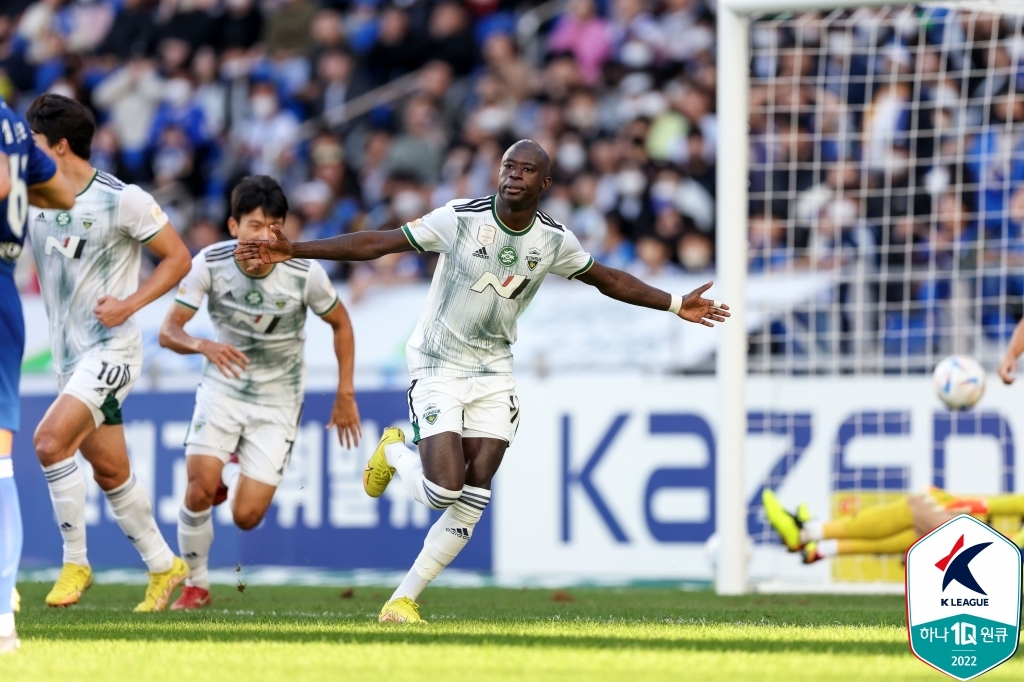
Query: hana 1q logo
point(963, 598)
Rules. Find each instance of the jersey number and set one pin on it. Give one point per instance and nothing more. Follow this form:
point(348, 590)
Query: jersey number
point(71, 247)
point(509, 287)
point(264, 324)
point(17, 200)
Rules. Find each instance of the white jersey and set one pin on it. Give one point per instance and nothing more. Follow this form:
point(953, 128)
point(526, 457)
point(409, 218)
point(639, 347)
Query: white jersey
point(264, 317)
point(93, 250)
point(485, 278)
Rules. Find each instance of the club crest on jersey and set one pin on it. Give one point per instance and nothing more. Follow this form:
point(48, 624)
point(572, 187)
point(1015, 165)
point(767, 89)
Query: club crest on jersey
point(431, 413)
point(533, 258)
point(88, 220)
point(486, 234)
point(281, 303)
point(254, 298)
point(63, 218)
point(508, 256)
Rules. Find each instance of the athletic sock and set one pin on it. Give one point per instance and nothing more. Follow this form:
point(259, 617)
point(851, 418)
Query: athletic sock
point(811, 531)
point(444, 541)
point(828, 547)
point(67, 493)
point(410, 470)
point(133, 512)
point(229, 477)
point(10, 540)
point(195, 535)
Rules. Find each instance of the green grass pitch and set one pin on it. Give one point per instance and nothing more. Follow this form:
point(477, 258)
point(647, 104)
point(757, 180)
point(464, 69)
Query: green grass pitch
point(313, 633)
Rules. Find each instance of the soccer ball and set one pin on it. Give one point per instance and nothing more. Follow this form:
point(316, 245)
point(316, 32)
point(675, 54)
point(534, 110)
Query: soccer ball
point(959, 382)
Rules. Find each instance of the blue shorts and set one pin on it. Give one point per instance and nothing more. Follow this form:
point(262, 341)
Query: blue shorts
point(12, 346)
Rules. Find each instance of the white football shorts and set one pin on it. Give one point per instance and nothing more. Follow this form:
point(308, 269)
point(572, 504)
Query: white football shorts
point(262, 435)
point(102, 380)
point(475, 407)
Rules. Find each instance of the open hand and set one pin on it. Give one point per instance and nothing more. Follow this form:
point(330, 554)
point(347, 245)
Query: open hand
point(112, 312)
point(701, 310)
point(259, 252)
point(1008, 369)
point(229, 360)
point(345, 415)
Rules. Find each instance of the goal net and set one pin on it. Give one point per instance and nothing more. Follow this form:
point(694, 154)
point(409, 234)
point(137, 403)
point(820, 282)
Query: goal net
point(886, 176)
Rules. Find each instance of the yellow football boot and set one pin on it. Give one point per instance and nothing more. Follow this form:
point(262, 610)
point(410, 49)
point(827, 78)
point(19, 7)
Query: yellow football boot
point(401, 610)
point(161, 586)
point(378, 474)
point(784, 523)
point(71, 583)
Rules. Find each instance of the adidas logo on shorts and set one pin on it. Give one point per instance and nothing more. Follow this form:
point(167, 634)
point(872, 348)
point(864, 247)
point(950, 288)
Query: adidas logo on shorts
point(481, 252)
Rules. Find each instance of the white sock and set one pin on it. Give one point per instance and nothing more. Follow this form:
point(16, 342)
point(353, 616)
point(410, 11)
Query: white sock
point(410, 470)
point(195, 535)
point(444, 541)
point(229, 477)
point(812, 531)
point(67, 492)
point(133, 512)
point(6, 624)
point(828, 547)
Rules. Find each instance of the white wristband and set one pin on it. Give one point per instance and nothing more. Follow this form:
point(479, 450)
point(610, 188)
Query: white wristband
point(676, 304)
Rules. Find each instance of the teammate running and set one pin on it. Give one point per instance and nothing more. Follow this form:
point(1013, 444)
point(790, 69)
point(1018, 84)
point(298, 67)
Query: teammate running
point(88, 263)
point(250, 398)
point(26, 174)
point(495, 251)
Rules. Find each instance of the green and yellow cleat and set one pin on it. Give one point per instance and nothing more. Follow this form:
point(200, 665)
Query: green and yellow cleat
point(784, 523)
point(401, 610)
point(161, 587)
point(71, 583)
point(378, 474)
point(810, 552)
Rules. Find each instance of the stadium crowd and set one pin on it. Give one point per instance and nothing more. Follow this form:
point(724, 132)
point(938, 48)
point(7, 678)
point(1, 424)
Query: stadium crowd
point(881, 139)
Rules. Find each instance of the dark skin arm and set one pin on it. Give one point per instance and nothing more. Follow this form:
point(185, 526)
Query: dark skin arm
point(626, 288)
point(357, 246)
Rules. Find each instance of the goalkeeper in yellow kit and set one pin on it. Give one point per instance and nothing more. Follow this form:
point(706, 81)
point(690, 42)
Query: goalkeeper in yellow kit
point(885, 529)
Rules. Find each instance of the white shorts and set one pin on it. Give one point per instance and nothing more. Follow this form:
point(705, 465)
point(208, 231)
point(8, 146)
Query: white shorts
point(474, 407)
point(261, 435)
point(102, 381)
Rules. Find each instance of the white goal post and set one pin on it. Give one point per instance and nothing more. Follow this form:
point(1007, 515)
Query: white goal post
point(733, 108)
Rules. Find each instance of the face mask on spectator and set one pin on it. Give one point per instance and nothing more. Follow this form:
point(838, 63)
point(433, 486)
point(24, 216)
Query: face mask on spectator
point(571, 156)
point(169, 162)
point(694, 254)
point(178, 92)
point(263, 106)
point(632, 182)
point(237, 4)
point(62, 89)
point(663, 194)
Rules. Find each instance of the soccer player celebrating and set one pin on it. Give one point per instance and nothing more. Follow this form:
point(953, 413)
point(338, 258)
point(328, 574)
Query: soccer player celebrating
point(26, 174)
point(250, 398)
point(495, 251)
point(88, 262)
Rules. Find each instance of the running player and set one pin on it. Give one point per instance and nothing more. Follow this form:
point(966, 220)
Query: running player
point(88, 263)
point(495, 251)
point(250, 398)
point(884, 529)
point(26, 174)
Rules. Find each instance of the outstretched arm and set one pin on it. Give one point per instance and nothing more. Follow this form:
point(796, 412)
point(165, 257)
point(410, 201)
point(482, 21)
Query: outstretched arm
point(626, 288)
point(1008, 367)
point(349, 247)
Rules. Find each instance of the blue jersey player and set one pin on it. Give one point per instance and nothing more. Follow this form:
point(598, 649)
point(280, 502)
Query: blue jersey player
point(26, 175)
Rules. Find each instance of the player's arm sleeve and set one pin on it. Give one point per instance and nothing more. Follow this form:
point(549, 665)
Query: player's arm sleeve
point(321, 296)
point(41, 167)
point(141, 218)
point(571, 261)
point(433, 232)
point(195, 285)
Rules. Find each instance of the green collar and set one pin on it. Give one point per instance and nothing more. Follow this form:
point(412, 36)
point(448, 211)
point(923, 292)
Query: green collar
point(504, 228)
point(242, 270)
point(91, 180)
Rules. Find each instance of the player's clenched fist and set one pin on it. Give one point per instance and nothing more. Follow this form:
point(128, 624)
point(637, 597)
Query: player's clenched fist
point(1008, 369)
point(229, 360)
point(112, 312)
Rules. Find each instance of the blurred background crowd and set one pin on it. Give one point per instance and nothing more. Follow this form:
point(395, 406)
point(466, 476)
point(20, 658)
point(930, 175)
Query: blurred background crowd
point(883, 149)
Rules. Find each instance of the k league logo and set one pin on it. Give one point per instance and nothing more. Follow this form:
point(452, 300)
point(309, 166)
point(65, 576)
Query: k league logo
point(963, 598)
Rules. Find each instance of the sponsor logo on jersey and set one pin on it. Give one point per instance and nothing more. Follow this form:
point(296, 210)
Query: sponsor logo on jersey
point(508, 256)
point(533, 258)
point(41, 218)
point(63, 218)
point(431, 413)
point(509, 288)
point(254, 298)
point(481, 253)
point(159, 217)
point(88, 220)
point(486, 234)
point(70, 247)
point(264, 324)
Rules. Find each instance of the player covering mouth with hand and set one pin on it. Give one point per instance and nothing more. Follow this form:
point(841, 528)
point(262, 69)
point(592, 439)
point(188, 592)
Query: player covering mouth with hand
point(495, 252)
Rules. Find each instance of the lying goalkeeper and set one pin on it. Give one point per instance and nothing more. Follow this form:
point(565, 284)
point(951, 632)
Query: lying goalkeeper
point(885, 529)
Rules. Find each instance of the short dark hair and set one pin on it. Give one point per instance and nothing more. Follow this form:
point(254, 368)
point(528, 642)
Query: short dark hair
point(258, 191)
point(57, 118)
